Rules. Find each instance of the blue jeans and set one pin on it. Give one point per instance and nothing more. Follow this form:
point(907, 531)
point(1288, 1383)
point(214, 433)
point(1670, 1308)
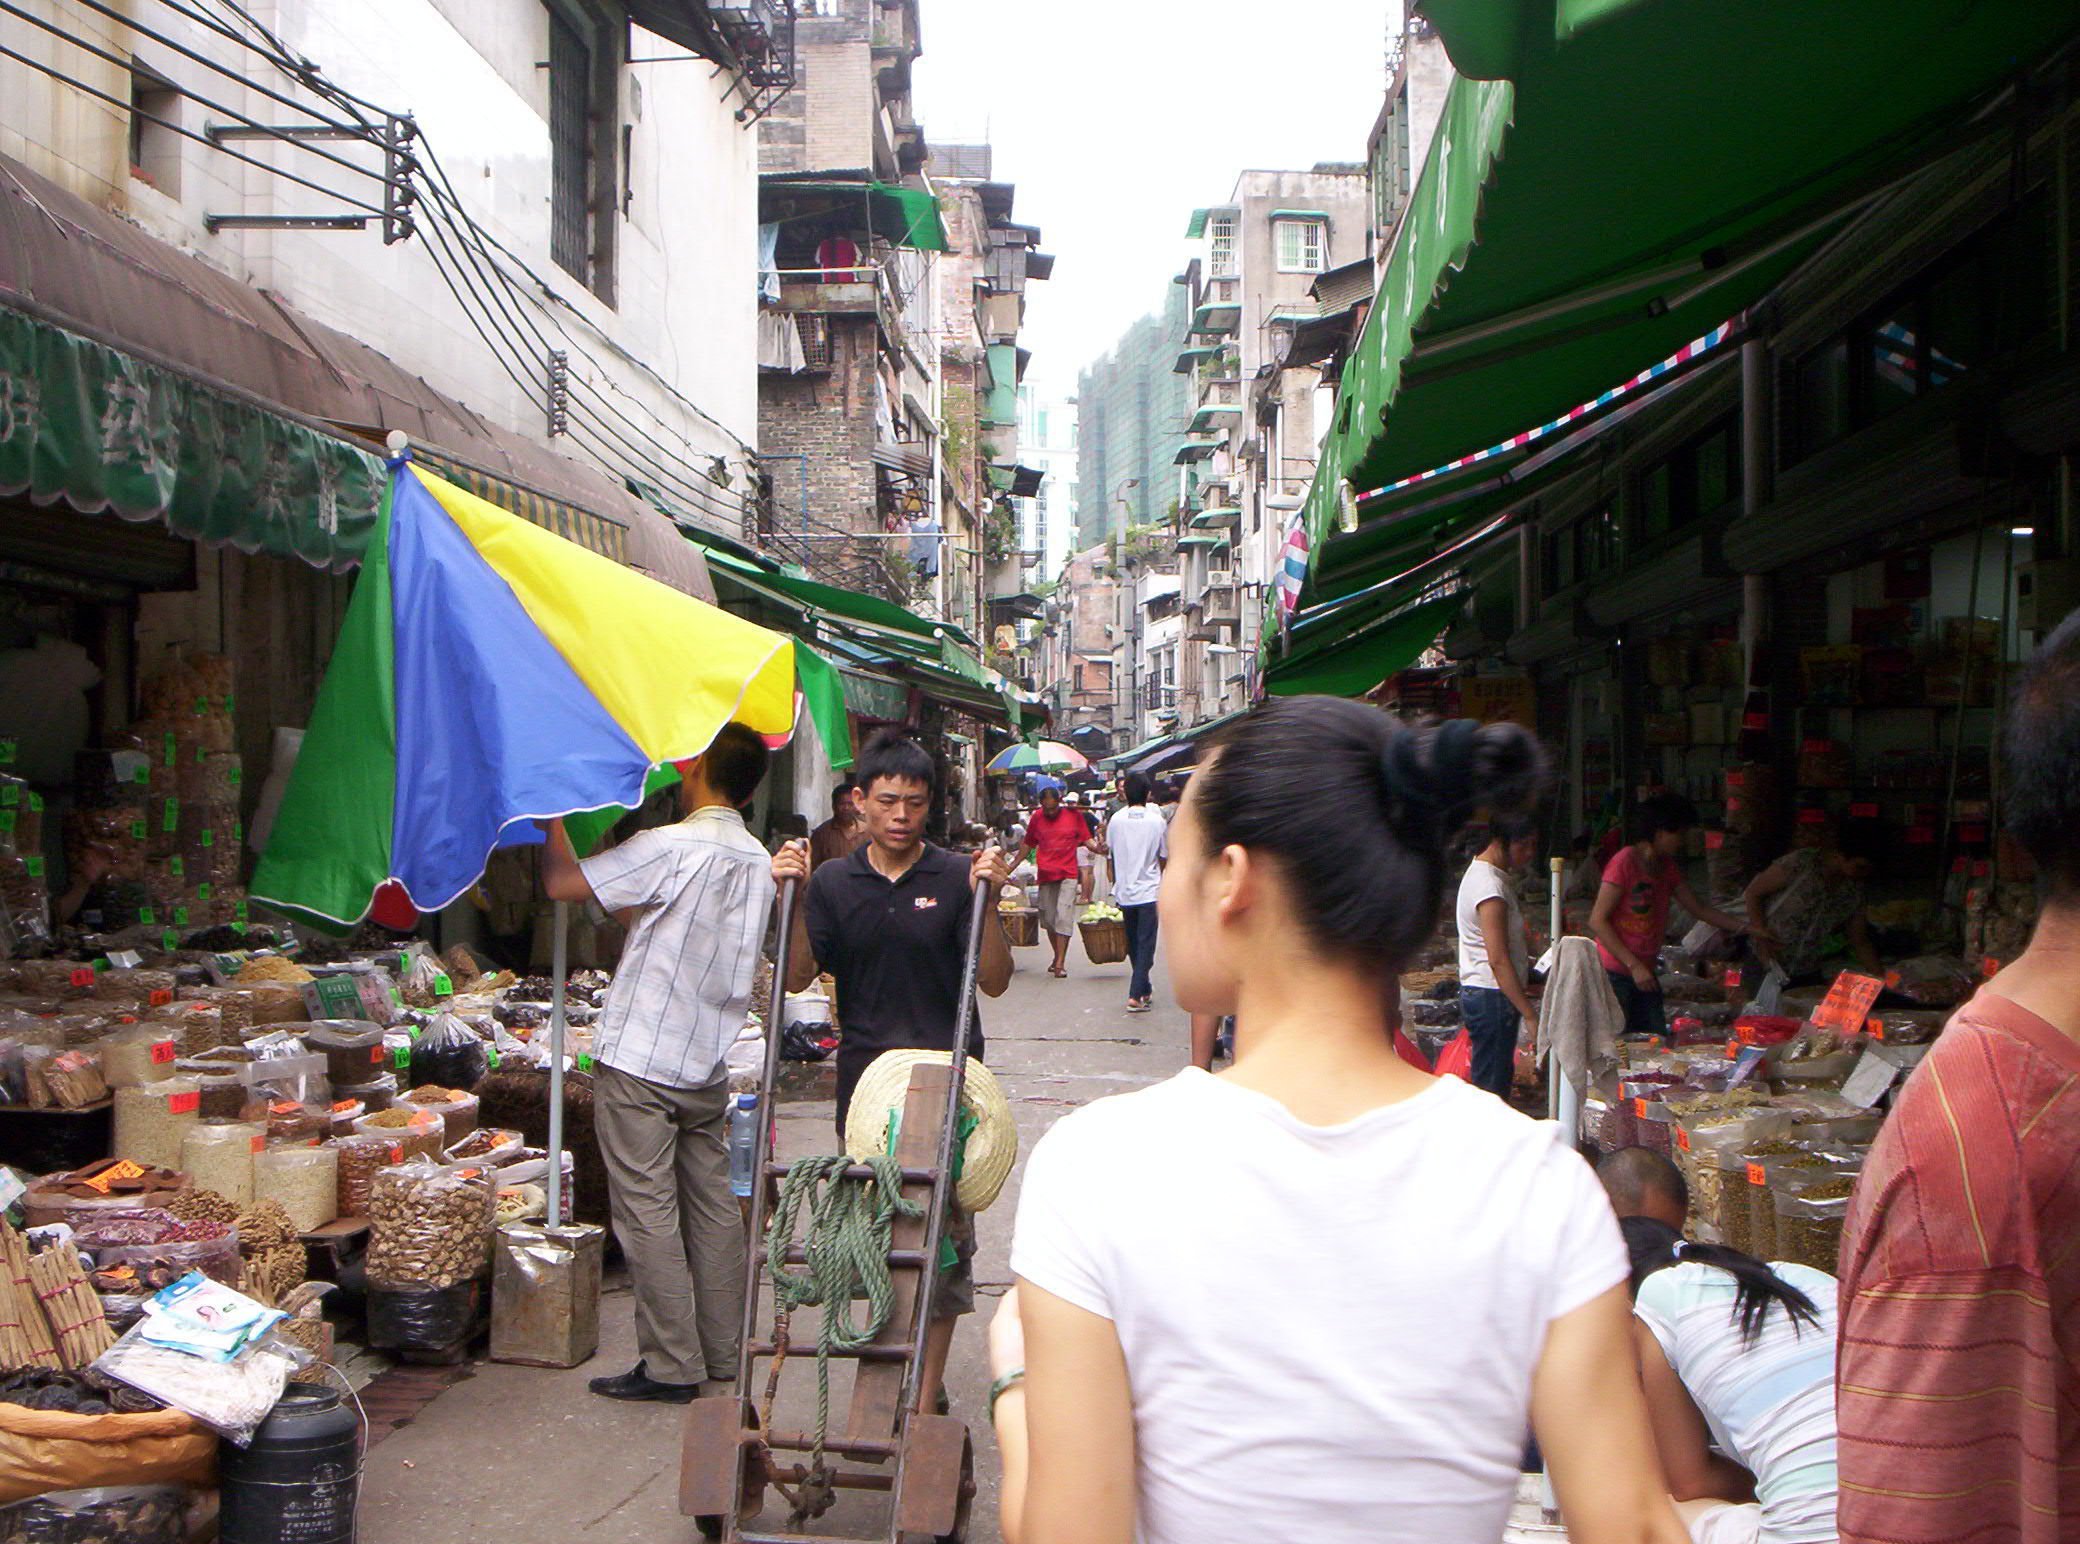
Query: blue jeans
point(1141, 948)
point(1491, 1024)
point(1645, 1013)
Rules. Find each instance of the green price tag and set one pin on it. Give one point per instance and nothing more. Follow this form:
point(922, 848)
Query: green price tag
point(401, 1058)
point(6, 753)
point(443, 987)
point(144, 915)
point(6, 820)
point(209, 837)
point(242, 913)
point(493, 1058)
point(584, 1061)
point(100, 964)
point(180, 916)
point(10, 795)
point(202, 891)
point(172, 753)
point(170, 939)
point(34, 866)
point(172, 820)
point(201, 706)
point(227, 702)
point(238, 927)
point(137, 829)
point(144, 774)
point(35, 802)
point(238, 830)
point(236, 774)
point(174, 866)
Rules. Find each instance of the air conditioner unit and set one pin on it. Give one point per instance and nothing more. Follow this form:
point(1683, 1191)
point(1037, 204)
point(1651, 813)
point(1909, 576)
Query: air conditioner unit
point(1220, 578)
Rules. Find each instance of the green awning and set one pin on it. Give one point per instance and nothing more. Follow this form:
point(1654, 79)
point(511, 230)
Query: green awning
point(1193, 450)
point(1622, 176)
point(1000, 403)
point(874, 696)
point(1188, 358)
point(103, 430)
point(1217, 517)
point(1356, 662)
point(908, 217)
point(1198, 540)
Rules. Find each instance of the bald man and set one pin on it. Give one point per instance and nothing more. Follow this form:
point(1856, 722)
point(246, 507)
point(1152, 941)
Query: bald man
point(1643, 1183)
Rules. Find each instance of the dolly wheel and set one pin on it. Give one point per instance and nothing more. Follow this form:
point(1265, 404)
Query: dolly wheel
point(709, 1525)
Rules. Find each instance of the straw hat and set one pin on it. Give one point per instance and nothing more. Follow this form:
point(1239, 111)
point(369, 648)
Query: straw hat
point(992, 1147)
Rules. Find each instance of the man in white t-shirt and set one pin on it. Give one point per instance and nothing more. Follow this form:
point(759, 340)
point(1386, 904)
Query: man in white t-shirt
point(1137, 842)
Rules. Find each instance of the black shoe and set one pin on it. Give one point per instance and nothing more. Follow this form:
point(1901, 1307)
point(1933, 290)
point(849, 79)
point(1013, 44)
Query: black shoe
point(637, 1383)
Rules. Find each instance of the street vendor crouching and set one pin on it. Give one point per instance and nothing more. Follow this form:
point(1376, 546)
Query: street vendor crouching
point(890, 923)
point(1809, 904)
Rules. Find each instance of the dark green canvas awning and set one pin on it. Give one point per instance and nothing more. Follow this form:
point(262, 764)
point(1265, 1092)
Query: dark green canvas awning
point(909, 217)
point(1627, 175)
point(1357, 661)
point(103, 430)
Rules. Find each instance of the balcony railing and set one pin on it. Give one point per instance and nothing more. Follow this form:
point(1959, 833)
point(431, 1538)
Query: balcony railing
point(762, 34)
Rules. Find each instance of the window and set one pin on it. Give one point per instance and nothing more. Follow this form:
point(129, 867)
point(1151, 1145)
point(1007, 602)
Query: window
point(1980, 302)
point(1698, 478)
point(583, 141)
point(1301, 245)
point(1589, 547)
point(155, 146)
point(1220, 245)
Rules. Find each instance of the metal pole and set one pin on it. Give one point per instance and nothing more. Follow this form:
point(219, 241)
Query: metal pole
point(1558, 866)
point(560, 974)
point(762, 1145)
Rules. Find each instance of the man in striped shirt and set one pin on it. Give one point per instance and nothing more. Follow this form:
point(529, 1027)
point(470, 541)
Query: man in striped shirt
point(1958, 1378)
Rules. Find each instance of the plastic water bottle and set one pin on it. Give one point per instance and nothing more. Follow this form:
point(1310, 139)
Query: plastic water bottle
point(743, 1143)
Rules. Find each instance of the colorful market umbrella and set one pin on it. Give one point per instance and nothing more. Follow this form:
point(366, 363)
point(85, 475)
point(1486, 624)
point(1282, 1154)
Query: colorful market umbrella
point(490, 674)
point(1046, 756)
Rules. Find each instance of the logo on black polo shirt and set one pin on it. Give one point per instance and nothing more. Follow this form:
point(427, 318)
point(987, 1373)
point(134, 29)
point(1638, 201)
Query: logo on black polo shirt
point(925, 902)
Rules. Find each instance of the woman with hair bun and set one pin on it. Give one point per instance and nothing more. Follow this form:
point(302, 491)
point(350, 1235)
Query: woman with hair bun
point(1321, 1295)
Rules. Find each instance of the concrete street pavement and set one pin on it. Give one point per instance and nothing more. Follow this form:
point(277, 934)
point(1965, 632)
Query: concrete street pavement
point(520, 1453)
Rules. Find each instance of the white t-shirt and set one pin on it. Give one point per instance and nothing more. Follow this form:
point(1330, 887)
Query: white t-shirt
point(1330, 1331)
point(1769, 1404)
point(1139, 839)
point(1483, 881)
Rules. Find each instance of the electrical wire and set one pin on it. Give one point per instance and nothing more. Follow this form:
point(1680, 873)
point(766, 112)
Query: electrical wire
point(114, 101)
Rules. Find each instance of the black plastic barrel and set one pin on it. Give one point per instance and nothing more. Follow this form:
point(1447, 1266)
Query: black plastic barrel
point(296, 1483)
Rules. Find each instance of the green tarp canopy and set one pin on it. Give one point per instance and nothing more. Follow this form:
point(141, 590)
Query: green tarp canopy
point(1355, 661)
point(1613, 178)
point(906, 216)
point(103, 430)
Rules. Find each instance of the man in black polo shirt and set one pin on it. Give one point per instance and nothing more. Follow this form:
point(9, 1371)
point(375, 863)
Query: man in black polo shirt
point(890, 922)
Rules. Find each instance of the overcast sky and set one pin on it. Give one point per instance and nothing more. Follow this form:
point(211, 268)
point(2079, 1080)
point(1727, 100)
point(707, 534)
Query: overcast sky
point(1116, 118)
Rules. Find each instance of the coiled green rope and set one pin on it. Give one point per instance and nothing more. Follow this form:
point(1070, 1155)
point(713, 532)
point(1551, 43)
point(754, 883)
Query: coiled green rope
point(845, 1253)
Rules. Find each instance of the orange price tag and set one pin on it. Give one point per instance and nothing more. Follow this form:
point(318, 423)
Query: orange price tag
point(1732, 978)
point(162, 1051)
point(1682, 1139)
point(259, 1143)
point(1639, 1108)
point(1848, 1001)
point(1733, 1049)
point(161, 997)
point(84, 976)
point(1874, 1027)
point(181, 1104)
point(123, 1169)
point(375, 1056)
point(1714, 840)
point(396, 1154)
point(1756, 1176)
point(1892, 978)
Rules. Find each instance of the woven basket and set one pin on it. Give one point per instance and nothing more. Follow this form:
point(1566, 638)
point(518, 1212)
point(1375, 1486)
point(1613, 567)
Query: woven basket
point(1105, 942)
point(1021, 928)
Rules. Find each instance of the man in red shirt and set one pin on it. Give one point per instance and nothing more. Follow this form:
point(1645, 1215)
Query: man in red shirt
point(1958, 1375)
point(1057, 834)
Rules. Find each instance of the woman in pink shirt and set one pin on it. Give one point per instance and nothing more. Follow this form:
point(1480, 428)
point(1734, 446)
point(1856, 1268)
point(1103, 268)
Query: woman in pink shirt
point(1630, 918)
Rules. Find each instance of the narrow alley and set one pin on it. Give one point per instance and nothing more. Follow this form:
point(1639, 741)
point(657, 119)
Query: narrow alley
point(511, 1452)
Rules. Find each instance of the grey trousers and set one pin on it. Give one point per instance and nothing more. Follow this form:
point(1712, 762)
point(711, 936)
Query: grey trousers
point(667, 1159)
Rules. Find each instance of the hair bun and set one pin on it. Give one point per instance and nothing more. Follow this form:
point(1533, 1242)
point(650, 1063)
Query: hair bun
point(1437, 774)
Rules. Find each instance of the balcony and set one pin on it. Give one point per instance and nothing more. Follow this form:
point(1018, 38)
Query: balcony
point(761, 32)
point(1219, 312)
point(1215, 417)
point(1217, 614)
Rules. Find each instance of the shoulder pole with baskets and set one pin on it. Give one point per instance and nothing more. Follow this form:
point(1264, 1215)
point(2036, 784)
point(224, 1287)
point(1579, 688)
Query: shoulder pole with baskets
point(1105, 941)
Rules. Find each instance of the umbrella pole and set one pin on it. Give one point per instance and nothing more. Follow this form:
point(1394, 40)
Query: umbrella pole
point(560, 972)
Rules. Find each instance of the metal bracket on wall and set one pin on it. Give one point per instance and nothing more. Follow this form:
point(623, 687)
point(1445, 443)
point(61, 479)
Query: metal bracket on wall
point(393, 138)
